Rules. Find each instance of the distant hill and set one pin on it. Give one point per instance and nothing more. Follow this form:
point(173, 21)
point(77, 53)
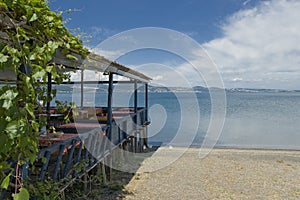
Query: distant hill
point(103, 88)
point(205, 89)
point(252, 90)
point(158, 89)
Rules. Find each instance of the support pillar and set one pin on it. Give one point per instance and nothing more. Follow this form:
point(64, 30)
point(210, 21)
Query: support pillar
point(136, 117)
point(81, 89)
point(109, 121)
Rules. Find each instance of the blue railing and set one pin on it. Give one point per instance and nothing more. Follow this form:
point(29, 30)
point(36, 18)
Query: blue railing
point(73, 157)
point(65, 161)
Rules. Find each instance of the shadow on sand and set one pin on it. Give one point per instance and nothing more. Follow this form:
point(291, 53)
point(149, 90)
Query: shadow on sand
point(96, 186)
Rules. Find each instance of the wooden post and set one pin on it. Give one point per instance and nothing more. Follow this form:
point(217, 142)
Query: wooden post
point(81, 97)
point(146, 101)
point(49, 89)
point(135, 97)
point(109, 104)
point(85, 184)
point(146, 117)
point(104, 171)
point(136, 117)
point(109, 120)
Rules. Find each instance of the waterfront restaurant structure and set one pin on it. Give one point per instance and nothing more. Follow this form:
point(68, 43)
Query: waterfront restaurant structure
point(92, 133)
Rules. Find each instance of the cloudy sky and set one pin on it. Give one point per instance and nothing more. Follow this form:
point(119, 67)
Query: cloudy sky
point(254, 44)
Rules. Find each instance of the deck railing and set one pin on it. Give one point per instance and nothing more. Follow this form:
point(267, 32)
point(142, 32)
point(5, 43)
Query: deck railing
point(69, 159)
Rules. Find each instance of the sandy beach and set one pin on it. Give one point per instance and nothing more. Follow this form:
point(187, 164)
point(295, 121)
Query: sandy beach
point(222, 174)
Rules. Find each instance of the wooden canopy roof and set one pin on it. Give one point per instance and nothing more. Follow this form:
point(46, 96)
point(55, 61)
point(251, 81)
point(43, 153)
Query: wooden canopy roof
point(98, 63)
point(92, 62)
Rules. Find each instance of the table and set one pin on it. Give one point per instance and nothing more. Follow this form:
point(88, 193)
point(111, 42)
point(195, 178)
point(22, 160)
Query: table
point(46, 140)
point(122, 113)
point(79, 127)
point(82, 125)
point(55, 119)
point(104, 118)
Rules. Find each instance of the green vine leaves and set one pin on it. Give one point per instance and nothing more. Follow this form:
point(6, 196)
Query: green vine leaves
point(30, 35)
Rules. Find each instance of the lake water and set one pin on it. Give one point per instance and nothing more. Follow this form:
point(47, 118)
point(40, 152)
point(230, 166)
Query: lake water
point(253, 120)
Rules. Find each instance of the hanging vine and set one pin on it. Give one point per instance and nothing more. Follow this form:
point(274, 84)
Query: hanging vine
point(30, 34)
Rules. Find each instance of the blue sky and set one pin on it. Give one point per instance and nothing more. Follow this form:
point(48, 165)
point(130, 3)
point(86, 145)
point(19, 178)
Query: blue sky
point(201, 19)
point(253, 43)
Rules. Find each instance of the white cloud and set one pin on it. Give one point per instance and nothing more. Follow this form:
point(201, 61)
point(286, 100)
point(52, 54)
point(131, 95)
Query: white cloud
point(98, 34)
point(107, 53)
point(260, 46)
point(246, 2)
point(163, 74)
point(237, 79)
point(88, 75)
point(158, 77)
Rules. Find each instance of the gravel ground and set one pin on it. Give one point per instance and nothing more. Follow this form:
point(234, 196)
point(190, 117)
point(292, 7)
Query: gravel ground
point(223, 174)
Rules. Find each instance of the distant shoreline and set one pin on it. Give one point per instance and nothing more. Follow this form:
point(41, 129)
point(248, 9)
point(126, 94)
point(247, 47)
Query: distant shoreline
point(158, 89)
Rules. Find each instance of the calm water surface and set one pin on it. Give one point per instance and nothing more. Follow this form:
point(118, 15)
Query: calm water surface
point(253, 120)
